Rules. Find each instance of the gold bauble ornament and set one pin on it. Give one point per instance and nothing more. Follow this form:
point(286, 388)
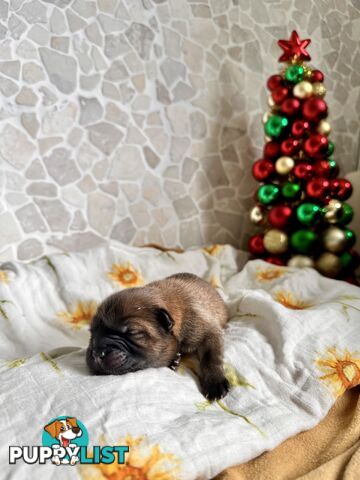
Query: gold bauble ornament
point(303, 89)
point(324, 127)
point(284, 165)
point(319, 89)
point(301, 155)
point(302, 197)
point(300, 261)
point(307, 72)
point(266, 117)
point(271, 102)
point(276, 241)
point(328, 264)
point(333, 211)
point(257, 215)
point(334, 239)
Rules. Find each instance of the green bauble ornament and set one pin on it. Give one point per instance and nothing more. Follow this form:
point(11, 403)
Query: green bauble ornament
point(275, 125)
point(268, 193)
point(294, 73)
point(330, 149)
point(308, 213)
point(291, 190)
point(333, 167)
point(346, 214)
point(350, 237)
point(346, 259)
point(303, 241)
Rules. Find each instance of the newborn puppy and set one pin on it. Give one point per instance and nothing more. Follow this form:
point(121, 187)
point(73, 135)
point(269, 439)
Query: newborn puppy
point(151, 326)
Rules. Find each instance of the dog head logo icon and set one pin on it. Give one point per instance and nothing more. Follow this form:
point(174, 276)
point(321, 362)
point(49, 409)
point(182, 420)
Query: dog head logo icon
point(65, 435)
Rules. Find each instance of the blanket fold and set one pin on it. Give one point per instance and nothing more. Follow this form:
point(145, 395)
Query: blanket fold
point(291, 348)
point(329, 451)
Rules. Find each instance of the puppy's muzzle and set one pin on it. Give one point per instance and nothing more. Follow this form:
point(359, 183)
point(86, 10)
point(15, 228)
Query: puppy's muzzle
point(108, 355)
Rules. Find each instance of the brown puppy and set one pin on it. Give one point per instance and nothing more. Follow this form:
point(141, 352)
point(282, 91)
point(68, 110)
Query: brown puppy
point(150, 326)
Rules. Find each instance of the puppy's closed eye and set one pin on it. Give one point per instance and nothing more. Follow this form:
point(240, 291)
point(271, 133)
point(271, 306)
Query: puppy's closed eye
point(165, 319)
point(138, 334)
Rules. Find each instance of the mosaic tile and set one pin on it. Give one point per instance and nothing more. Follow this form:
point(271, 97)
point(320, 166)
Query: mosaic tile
point(139, 121)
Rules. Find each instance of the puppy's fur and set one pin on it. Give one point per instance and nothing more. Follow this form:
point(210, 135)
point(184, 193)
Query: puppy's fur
point(148, 326)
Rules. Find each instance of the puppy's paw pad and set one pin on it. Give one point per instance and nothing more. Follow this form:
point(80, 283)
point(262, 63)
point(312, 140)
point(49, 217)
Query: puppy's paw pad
point(216, 390)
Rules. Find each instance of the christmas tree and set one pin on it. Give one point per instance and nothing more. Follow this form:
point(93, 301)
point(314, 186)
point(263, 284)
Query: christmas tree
point(301, 203)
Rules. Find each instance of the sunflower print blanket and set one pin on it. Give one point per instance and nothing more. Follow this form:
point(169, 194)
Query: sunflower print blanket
point(292, 346)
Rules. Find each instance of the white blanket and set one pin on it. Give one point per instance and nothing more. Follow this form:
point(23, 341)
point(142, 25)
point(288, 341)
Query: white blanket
point(292, 346)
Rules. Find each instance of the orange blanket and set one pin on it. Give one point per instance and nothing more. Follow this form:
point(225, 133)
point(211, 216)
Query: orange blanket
point(329, 451)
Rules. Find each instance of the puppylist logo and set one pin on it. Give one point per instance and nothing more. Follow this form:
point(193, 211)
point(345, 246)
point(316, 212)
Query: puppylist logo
point(65, 442)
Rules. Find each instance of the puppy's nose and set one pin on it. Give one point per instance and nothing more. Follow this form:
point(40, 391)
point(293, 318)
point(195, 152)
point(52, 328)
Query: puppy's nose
point(110, 357)
point(76, 429)
point(100, 354)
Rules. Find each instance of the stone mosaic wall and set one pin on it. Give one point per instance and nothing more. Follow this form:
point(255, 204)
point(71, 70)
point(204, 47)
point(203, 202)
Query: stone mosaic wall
point(139, 120)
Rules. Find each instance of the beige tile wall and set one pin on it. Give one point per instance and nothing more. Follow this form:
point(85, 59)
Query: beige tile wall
point(139, 120)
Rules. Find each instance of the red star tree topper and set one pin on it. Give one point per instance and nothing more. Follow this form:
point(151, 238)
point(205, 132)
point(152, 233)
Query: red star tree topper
point(301, 203)
point(294, 47)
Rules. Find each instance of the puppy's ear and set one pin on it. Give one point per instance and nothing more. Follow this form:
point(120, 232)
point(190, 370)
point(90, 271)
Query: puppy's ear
point(72, 421)
point(165, 319)
point(53, 428)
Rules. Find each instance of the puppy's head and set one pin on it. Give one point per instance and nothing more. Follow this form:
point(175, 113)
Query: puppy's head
point(64, 428)
point(131, 330)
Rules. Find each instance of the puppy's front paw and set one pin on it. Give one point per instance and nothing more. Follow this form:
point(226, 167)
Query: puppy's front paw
point(215, 388)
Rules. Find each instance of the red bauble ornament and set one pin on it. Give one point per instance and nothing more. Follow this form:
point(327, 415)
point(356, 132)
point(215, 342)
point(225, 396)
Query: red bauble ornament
point(279, 94)
point(275, 260)
point(262, 169)
point(256, 244)
point(290, 106)
point(289, 146)
point(294, 47)
point(279, 216)
point(314, 109)
point(303, 171)
point(318, 188)
point(322, 168)
point(274, 82)
point(272, 150)
point(316, 145)
point(317, 76)
point(341, 188)
point(300, 128)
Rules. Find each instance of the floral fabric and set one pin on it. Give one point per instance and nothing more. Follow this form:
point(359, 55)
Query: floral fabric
point(292, 346)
